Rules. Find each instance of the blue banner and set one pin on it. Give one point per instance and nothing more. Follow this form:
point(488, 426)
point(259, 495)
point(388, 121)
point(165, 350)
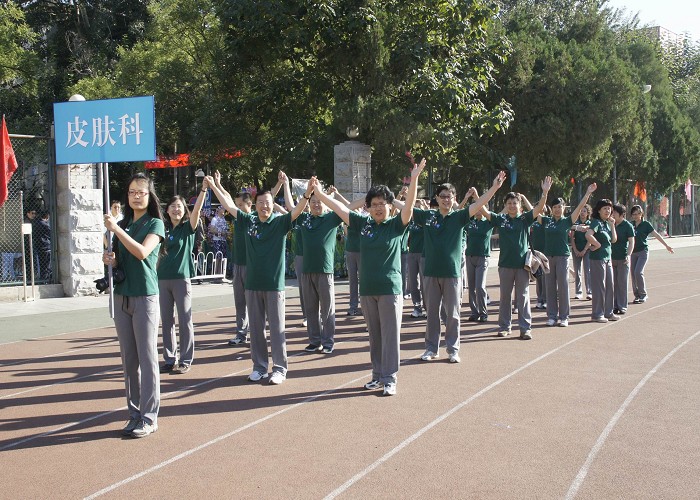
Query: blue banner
point(107, 130)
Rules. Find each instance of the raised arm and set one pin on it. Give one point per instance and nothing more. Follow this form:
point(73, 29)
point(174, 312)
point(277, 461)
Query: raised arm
point(407, 210)
point(305, 199)
point(475, 207)
point(225, 201)
point(197, 209)
point(288, 201)
point(584, 200)
point(217, 182)
point(471, 192)
point(546, 185)
point(341, 210)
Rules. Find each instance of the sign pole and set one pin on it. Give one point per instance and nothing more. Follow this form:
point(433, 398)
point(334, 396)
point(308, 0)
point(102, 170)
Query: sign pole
point(105, 190)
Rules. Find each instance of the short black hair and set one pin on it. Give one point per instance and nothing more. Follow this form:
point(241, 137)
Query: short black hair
point(620, 209)
point(380, 191)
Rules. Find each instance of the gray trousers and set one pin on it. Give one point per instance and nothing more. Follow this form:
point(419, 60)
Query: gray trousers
point(582, 263)
point(541, 289)
point(621, 274)
point(601, 288)
point(415, 278)
point(557, 283)
point(239, 276)
point(270, 305)
point(136, 322)
point(383, 316)
point(517, 280)
point(638, 262)
point(447, 291)
point(177, 293)
point(477, 267)
point(319, 297)
point(299, 270)
point(352, 261)
point(404, 274)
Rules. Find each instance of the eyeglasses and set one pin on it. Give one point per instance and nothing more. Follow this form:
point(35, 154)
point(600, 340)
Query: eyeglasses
point(137, 194)
point(445, 196)
point(378, 205)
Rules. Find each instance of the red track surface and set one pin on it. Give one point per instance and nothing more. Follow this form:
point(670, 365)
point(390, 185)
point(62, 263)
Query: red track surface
point(594, 411)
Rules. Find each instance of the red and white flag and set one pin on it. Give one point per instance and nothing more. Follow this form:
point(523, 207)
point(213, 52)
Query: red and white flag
point(8, 162)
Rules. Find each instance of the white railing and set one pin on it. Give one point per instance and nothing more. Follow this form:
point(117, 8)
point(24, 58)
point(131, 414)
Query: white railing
point(209, 266)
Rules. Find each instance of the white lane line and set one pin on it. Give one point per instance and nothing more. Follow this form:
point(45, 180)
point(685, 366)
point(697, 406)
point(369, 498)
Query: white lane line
point(583, 472)
point(46, 386)
point(220, 438)
point(167, 395)
point(31, 360)
point(117, 369)
point(345, 486)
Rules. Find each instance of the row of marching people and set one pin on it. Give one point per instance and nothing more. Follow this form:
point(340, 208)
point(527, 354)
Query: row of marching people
point(154, 255)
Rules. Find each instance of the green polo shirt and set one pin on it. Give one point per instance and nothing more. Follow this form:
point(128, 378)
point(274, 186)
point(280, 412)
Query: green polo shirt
point(297, 243)
point(641, 233)
point(625, 231)
point(416, 237)
point(479, 231)
point(318, 239)
point(442, 241)
point(179, 242)
point(380, 254)
point(264, 246)
point(602, 233)
point(580, 237)
point(537, 236)
point(352, 240)
point(239, 255)
point(141, 275)
point(556, 236)
point(512, 238)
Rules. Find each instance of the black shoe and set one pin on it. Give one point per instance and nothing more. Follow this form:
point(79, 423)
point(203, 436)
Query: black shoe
point(167, 367)
point(473, 318)
point(616, 311)
point(483, 319)
point(313, 348)
point(327, 350)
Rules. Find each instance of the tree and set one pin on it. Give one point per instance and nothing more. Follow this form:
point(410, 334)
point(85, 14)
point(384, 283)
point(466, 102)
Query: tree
point(18, 68)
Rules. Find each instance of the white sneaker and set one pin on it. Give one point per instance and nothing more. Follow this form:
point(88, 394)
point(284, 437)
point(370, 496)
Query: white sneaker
point(613, 317)
point(429, 355)
point(600, 320)
point(578, 296)
point(389, 389)
point(277, 378)
point(454, 357)
point(564, 323)
point(256, 376)
point(304, 322)
point(551, 322)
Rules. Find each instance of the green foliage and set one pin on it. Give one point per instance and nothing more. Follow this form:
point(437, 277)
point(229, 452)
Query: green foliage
point(18, 69)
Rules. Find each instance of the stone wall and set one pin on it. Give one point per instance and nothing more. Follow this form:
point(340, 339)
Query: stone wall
point(352, 169)
point(80, 229)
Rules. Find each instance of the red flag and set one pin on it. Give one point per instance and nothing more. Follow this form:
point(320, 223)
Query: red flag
point(8, 162)
point(640, 191)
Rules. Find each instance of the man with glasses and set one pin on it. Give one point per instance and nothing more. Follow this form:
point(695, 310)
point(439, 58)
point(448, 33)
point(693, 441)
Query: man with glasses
point(266, 236)
point(443, 249)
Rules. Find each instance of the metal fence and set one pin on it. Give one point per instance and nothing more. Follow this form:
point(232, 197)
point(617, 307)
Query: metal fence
point(31, 200)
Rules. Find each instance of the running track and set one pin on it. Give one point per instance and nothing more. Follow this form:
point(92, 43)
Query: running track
point(591, 411)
